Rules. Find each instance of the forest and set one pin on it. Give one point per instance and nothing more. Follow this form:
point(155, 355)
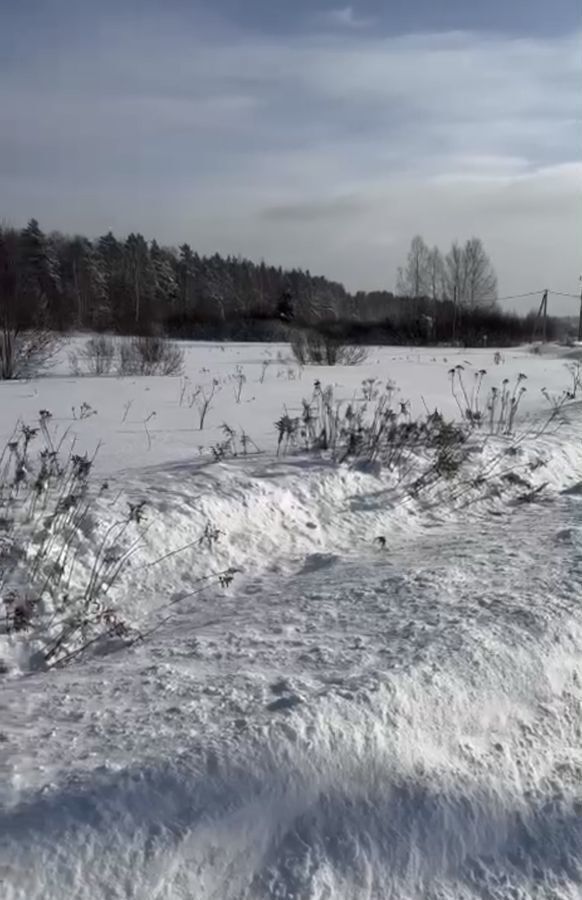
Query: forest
point(135, 286)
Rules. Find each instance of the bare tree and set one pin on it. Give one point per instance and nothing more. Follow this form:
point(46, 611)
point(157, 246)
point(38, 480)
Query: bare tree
point(413, 279)
point(455, 273)
point(435, 274)
point(470, 276)
point(26, 354)
point(480, 277)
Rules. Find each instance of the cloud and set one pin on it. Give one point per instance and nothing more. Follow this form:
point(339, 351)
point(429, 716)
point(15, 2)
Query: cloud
point(320, 150)
point(345, 17)
point(325, 209)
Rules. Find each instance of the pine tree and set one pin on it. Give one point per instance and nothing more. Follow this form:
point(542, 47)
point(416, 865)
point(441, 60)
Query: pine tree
point(39, 278)
point(163, 265)
point(9, 277)
point(188, 267)
point(138, 267)
point(83, 270)
point(111, 256)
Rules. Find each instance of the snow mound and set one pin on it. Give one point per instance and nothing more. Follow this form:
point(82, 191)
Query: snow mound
point(431, 748)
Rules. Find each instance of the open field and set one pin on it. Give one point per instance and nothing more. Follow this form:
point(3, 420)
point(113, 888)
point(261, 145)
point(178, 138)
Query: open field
point(383, 699)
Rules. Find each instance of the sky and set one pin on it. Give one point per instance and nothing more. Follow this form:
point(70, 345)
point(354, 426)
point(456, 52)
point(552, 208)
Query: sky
point(309, 134)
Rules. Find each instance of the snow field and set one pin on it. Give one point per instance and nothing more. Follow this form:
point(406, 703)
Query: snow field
point(343, 721)
point(124, 404)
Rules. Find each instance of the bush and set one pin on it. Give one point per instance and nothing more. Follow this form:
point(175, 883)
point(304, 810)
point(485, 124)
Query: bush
point(63, 554)
point(24, 354)
point(48, 511)
point(150, 356)
point(383, 432)
point(351, 355)
point(316, 348)
point(132, 356)
point(98, 354)
point(425, 454)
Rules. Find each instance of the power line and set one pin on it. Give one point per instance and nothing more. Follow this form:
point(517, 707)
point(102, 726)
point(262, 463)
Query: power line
point(560, 294)
point(520, 296)
point(537, 293)
point(513, 297)
point(529, 294)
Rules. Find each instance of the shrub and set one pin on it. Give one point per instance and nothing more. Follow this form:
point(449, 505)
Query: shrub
point(316, 348)
point(384, 433)
point(25, 354)
point(62, 555)
point(150, 356)
point(502, 404)
point(132, 356)
point(422, 453)
point(351, 355)
point(298, 344)
point(48, 508)
point(98, 354)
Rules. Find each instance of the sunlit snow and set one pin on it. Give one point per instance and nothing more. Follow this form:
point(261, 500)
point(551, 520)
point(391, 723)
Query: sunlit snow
point(350, 718)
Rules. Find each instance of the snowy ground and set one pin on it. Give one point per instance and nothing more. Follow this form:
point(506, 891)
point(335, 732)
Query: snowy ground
point(345, 720)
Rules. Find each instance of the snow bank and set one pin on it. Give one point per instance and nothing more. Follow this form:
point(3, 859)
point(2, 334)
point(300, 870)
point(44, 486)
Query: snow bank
point(431, 749)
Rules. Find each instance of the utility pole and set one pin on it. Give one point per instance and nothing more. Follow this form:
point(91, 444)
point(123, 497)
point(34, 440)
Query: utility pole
point(454, 313)
point(543, 317)
point(580, 318)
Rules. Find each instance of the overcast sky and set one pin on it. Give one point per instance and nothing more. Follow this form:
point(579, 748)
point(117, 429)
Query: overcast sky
point(305, 133)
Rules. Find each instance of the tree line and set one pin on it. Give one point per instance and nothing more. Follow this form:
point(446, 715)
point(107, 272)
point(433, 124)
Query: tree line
point(465, 274)
point(133, 286)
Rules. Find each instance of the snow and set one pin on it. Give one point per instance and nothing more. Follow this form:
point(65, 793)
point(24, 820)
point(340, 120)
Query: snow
point(124, 404)
point(347, 719)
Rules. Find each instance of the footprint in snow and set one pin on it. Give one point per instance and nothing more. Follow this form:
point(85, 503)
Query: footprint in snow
point(284, 703)
point(280, 687)
point(317, 561)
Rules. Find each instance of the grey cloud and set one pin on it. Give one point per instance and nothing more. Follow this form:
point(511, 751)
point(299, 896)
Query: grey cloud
point(312, 210)
point(337, 140)
point(344, 17)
